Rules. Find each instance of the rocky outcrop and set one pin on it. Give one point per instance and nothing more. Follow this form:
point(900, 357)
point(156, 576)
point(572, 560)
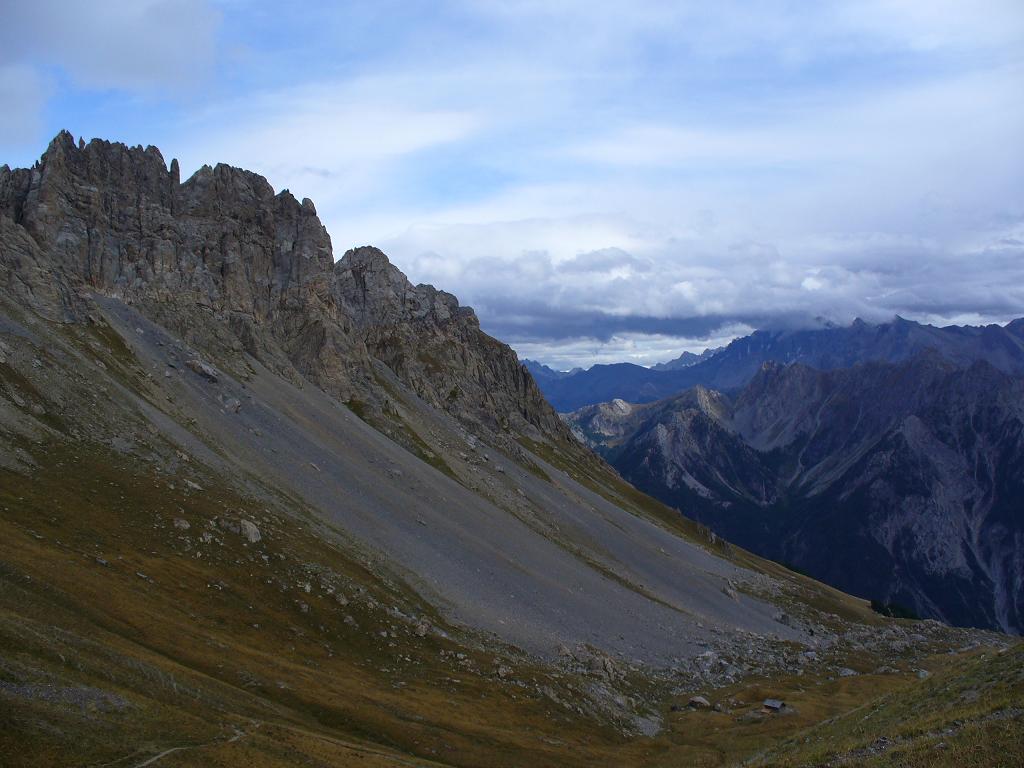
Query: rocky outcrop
point(436, 346)
point(898, 482)
point(236, 269)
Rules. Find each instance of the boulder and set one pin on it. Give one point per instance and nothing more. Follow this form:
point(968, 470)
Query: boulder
point(698, 702)
point(205, 370)
point(244, 528)
point(249, 531)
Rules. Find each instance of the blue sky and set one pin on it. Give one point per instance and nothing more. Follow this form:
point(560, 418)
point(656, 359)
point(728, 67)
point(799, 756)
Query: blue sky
point(601, 181)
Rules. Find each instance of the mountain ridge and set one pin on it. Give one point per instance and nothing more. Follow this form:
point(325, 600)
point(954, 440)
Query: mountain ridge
point(823, 348)
point(269, 273)
point(223, 295)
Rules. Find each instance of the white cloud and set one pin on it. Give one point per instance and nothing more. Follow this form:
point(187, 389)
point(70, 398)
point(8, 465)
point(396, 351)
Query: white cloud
point(127, 44)
point(597, 177)
point(937, 23)
point(331, 142)
point(23, 92)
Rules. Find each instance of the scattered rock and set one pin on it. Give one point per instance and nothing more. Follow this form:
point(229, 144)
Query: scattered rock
point(784, 619)
point(181, 524)
point(205, 370)
point(698, 702)
point(773, 706)
point(230, 524)
point(249, 531)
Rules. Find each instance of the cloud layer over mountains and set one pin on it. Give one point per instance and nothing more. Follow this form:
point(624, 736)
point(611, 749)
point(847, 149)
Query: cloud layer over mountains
point(600, 183)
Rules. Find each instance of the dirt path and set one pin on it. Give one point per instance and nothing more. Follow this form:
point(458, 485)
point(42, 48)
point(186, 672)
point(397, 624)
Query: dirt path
point(166, 752)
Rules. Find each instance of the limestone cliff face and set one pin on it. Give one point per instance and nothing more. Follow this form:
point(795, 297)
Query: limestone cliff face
point(436, 346)
point(220, 258)
point(234, 267)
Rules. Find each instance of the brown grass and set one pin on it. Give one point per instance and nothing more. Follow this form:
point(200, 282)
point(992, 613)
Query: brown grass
point(99, 665)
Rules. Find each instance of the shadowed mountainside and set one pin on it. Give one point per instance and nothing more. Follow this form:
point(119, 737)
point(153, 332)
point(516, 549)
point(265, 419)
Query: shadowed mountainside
point(897, 482)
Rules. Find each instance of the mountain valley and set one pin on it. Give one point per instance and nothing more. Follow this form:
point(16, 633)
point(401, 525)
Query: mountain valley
point(260, 507)
point(898, 482)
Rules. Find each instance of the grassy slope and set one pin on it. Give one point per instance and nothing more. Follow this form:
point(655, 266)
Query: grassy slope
point(98, 664)
point(206, 649)
point(969, 714)
point(203, 648)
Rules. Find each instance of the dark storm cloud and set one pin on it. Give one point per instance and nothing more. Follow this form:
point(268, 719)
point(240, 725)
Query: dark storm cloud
point(568, 314)
point(533, 322)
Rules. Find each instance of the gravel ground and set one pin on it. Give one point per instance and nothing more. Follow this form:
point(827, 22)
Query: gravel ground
point(538, 564)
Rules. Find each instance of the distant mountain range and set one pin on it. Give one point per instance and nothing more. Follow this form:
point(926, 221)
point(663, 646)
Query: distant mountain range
point(686, 360)
point(541, 372)
point(900, 481)
point(822, 348)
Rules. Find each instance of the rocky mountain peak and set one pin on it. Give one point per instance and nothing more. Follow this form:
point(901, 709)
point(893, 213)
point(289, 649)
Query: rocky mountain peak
point(378, 293)
point(236, 268)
